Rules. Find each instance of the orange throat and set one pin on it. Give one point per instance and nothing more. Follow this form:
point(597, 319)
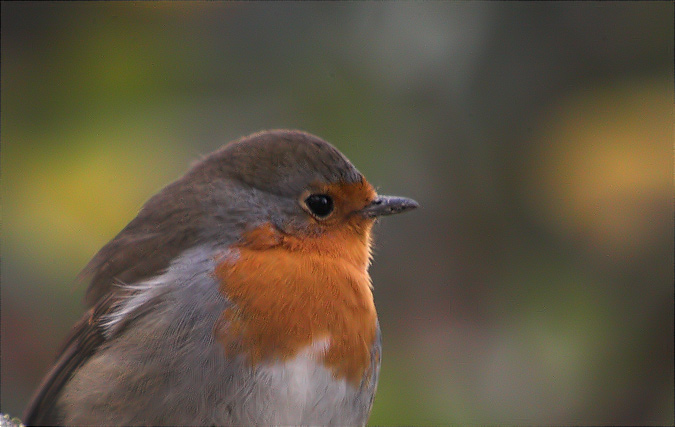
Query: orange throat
point(289, 292)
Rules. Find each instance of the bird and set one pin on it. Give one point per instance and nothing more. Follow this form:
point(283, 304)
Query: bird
point(238, 295)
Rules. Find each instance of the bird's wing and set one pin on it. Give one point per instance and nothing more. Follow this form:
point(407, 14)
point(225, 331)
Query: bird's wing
point(162, 230)
point(85, 337)
point(88, 334)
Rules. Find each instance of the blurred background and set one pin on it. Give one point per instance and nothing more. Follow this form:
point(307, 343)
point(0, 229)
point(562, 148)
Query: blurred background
point(535, 284)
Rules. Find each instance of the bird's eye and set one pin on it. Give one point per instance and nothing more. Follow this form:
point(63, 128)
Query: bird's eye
point(321, 205)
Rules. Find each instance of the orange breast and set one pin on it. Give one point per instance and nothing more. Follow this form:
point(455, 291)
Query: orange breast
point(290, 292)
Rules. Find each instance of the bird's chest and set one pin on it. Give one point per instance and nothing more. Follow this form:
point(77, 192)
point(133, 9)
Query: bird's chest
point(297, 314)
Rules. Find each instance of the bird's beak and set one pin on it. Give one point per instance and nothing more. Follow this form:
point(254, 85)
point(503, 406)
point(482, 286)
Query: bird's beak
point(388, 205)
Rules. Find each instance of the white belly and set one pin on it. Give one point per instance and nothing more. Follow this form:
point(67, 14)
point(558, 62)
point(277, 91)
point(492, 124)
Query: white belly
point(302, 391)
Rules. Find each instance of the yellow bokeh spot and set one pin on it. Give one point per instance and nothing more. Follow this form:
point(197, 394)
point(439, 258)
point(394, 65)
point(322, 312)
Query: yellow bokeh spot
point(605, 175)
point(63, 208)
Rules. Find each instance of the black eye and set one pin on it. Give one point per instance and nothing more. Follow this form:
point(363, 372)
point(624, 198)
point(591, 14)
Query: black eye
point(321, 205)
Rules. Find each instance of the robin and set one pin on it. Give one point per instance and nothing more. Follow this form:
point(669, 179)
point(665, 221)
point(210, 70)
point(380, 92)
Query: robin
point(239, 295)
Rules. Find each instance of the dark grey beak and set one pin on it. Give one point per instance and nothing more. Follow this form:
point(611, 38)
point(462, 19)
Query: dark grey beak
point(388, 205)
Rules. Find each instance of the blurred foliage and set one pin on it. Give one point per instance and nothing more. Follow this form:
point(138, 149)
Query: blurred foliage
point(535, 285)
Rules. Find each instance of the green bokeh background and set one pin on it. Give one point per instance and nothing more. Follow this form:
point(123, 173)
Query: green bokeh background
point(535, 284)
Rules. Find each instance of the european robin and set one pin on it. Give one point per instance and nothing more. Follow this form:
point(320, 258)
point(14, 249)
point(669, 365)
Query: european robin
point(239, 294)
